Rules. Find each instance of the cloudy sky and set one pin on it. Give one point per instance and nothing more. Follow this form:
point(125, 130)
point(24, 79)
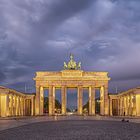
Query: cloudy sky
point(38, 35)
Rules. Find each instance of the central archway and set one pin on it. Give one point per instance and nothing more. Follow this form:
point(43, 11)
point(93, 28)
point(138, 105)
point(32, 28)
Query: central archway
point(71, 101)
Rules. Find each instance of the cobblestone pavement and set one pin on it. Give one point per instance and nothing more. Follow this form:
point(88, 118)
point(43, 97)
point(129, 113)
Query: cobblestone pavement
point(6, 123)
point(74, 130)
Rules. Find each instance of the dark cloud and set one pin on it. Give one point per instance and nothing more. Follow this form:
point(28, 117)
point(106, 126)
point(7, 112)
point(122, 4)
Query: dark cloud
point(39, 35)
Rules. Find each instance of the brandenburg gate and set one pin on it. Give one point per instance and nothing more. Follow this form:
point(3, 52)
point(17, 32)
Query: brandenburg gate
point(72, 77)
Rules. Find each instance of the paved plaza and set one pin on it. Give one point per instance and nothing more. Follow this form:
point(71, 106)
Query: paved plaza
point(69, 127)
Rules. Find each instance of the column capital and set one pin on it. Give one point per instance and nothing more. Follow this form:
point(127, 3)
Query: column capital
point(63, 86)
point(50, 86)
point(80, 86)
point(41, 88)
point(91, 86)
point(37, 86)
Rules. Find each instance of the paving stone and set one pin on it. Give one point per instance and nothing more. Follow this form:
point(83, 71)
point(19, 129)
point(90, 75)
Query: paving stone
point(74, 130)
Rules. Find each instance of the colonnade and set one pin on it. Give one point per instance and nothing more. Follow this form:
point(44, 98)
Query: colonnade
point(124, 105)
point(91, 91)
point(16, 105)
point(127, 105)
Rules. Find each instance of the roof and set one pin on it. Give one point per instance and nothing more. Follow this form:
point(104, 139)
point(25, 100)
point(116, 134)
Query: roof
point(5, 90)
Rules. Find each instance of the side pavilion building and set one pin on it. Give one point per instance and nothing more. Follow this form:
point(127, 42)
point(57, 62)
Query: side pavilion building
point(14, 103)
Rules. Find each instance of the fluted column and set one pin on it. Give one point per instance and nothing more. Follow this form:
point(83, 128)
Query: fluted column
point(118, 106)
point(130, 105)
point(11, 105)
point(14, 110)
point(110, 103)
point(16, 105)
point(91, 101)
point(104, 104)
point(128, 113)
point(135, 111)
point(22, 106)
point(125, 110)
point(32, 106)
point(37, 101)
point(19, 101)
point(53, 100)
point(102, 101)
point(24, 112)
point(123, 104)
point(80, 100)
point(41, 100)
point(7, 105)
point(63, 99)
point(50, 100)
point(106, 100)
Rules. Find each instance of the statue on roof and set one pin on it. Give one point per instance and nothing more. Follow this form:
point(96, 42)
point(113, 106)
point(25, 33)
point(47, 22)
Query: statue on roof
point(72, 65)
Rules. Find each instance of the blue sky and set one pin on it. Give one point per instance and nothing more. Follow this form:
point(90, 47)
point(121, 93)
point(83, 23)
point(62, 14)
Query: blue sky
point(38, 35)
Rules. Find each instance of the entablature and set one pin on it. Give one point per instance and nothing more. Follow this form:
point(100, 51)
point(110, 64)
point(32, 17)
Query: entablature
point(71, 75)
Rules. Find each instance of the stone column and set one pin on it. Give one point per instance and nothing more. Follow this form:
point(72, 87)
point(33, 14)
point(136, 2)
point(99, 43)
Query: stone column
point(24, 113)
point(130, 104)
point(125, 106)
point(50, 100)
point(102, 101)
point(11, 106)
point(32, 106)
point(106, 100)
point(126, 109)
point(135, 111)
point(21, 109)
point(21, 106)
point(16, 105)
point(110, 103)
point(122, 105)
point(91, 101)
point(7, 105)
point(53, 101)
point(41, 101)
point(104, 105)
point(37, 101)
point(118, 106)
point(80, 100)
point(63, 99)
